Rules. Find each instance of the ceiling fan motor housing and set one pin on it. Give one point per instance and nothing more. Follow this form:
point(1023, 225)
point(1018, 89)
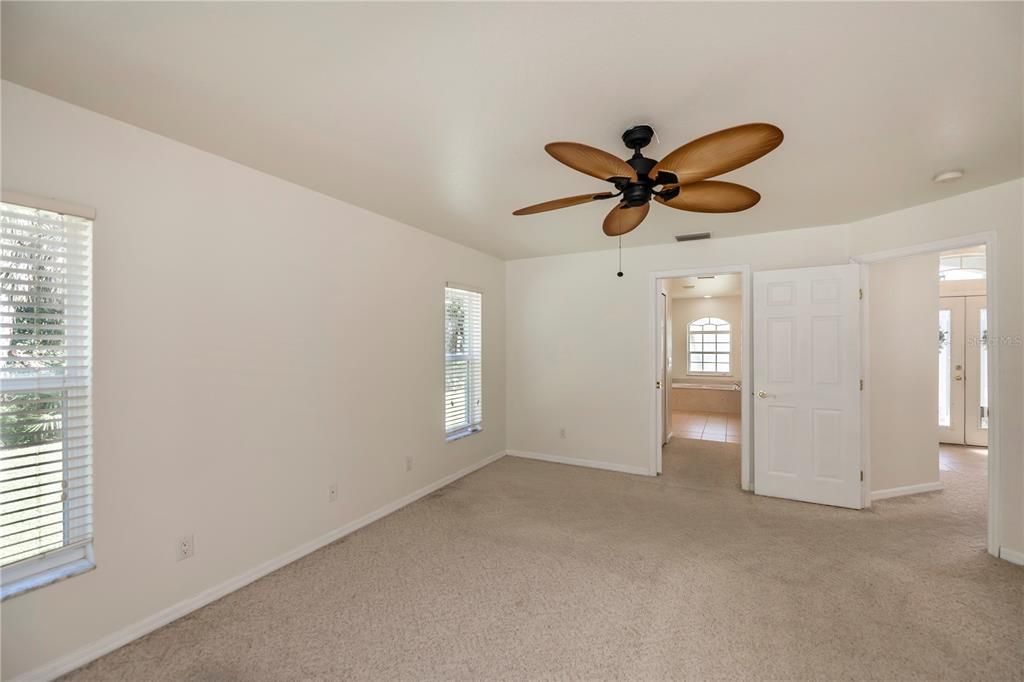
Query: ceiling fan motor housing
point(640, 191)
point(636, 194)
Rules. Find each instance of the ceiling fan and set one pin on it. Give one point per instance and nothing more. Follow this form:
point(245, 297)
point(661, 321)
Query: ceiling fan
point(680, 180)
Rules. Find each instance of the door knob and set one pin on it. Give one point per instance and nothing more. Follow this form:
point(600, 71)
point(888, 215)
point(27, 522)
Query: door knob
point(762, 394)
point(958, 377)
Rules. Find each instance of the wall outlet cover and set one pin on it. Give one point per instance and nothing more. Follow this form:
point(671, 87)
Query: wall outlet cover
point(186, 547)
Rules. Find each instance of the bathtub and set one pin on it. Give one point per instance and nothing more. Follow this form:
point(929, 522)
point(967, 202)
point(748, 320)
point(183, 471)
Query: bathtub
point(703, 397)
point(706, 387)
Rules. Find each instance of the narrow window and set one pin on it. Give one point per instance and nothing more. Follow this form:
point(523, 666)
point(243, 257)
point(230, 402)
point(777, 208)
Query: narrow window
point(45, 422)
point(709, 344)
point(463, 362)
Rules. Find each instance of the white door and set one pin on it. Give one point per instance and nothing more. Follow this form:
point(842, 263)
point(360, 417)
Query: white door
point(807, 385)
point(976, 371)
point(660, 388)
point(951, 369)
point(666, 372)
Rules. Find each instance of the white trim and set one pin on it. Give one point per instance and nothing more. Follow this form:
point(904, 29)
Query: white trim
point(865, 395)
point(90, 652)
point(994, 353)
point(464, 287)
point(45, 569)
point(1013, 556)
point(48, 204)
point(906, 490)
point(573, 461)
point(928, 247)
point(464, 432)
point(745, 354)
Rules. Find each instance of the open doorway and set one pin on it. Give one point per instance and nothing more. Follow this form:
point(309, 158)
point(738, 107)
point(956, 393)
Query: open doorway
point(928, 393)
point(963, 405)
point(700, 364)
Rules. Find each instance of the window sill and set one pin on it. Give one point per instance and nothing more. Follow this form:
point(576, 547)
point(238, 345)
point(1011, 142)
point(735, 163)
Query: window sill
point(44, 578)
point(463, 433)
point(724, 375)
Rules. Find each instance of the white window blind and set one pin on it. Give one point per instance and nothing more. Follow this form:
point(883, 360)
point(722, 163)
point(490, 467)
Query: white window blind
point(45, 422)
point(709, 343)
point(463, 361)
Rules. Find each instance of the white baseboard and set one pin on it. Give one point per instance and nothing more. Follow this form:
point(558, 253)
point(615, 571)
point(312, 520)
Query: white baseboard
point(593, 464)
point(1013, 556)
point(90, 652)
point(906, 490)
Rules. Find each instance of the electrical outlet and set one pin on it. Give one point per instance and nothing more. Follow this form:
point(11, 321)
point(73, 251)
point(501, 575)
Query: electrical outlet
point(408, 463)
point(186, 547)
point(332, 492)
point(561, 434)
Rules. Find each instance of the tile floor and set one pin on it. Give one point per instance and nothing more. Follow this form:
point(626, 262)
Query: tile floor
point(724, 428)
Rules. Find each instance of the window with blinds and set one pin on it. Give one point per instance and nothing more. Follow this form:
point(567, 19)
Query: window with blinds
point(463, 358)
point(45, 423)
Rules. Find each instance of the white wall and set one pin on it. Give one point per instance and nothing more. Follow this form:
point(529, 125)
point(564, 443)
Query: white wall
point(685, 311)
point(254, 341)
point(903, 371)
point(579, 338)
point(999, 209)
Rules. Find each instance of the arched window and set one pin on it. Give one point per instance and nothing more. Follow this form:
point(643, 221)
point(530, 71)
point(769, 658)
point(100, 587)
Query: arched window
point(708, 346)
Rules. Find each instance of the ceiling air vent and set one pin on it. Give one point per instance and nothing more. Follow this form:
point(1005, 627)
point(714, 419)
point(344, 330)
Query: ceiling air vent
point(693, 237)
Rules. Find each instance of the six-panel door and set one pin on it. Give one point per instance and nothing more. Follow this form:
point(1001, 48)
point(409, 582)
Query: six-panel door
point(806, 385)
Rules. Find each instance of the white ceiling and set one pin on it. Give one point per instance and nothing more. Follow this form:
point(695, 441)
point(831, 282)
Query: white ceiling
point(436, 114)
point(697, 287)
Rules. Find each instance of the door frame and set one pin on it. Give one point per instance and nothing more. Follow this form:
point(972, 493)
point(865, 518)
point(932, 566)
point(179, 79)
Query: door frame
point(988, 239)
point(746, 357)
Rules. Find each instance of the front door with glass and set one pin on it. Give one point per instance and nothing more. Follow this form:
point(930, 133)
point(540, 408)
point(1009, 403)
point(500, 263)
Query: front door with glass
point(976, 366)
point(963, 370)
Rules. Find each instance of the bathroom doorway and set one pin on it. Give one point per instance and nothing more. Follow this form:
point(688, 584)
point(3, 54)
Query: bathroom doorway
point(701, 364)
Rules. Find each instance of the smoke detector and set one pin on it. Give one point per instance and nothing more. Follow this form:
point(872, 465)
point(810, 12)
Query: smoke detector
point(948, 176)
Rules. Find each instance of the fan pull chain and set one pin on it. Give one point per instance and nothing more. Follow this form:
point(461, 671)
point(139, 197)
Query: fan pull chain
point(620, 255)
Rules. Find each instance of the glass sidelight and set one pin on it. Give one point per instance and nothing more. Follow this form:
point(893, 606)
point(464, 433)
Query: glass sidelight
point(983, 367)
point(951, 369)
point(945, 367)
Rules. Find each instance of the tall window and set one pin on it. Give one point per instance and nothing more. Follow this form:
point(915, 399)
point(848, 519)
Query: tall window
point(709, 342)
point(45, 424)
point(463, 362)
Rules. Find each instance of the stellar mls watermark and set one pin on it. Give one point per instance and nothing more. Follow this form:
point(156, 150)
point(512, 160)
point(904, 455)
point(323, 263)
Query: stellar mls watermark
point(1008, 340)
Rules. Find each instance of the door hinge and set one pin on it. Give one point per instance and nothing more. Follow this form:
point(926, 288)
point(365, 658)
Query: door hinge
point(860, 294)
point(862, 476)
point(862, 384)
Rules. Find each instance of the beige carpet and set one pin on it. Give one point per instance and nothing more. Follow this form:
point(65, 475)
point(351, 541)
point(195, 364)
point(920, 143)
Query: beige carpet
point(534, 570)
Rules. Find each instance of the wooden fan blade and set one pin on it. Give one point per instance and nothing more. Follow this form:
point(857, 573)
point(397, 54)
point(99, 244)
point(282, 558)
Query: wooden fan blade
point(720, 152)
point(621, 220)
point(712, 196)
point(589, 160)
point(561, 203)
